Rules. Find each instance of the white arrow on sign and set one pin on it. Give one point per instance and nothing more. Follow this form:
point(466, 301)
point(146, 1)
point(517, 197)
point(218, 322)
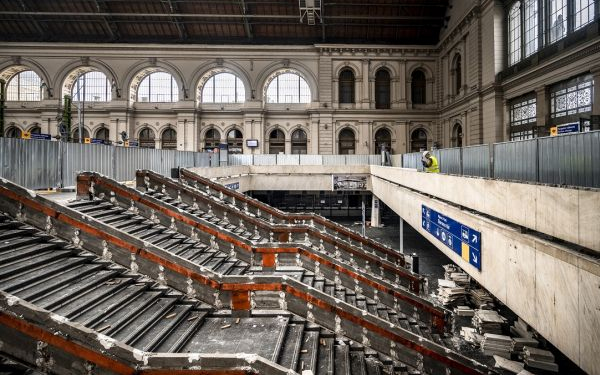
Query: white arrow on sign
point(474, 239)
point(474, 258)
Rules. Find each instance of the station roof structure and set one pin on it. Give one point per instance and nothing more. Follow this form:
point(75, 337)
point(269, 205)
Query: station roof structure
point(409, 22)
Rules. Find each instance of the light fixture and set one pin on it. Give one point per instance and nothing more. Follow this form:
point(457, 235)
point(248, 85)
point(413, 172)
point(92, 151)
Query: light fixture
point(311, 9)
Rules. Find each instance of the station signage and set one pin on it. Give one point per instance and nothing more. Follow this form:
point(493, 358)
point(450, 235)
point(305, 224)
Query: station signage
point(41, 136)
point(565, 129)
point(462, 239)
point(233, 186)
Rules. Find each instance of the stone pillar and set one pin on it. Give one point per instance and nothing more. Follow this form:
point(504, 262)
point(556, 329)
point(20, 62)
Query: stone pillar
point(401, 146)
point(336, 92)
point(375, 212)
point(358, 82)
point(402, 86)
point(365, 97)
point(595, 121)
point(542, 111)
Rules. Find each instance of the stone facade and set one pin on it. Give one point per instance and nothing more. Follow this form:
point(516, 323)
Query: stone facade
point(468, 87)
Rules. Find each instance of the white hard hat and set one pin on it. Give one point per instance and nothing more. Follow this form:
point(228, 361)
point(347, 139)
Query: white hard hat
point(426, 153)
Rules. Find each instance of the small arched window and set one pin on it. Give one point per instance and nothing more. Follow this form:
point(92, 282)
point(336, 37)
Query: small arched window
point(91, 87)
point(168, 140)
point(13, 132)
point(418, 140)
point(158, 87)
point(288, 88)
point(346, 142)
point(103, 134)
point(24, 87)
point(299, 142)
point(418, 86)
point(223, 88)
point(235, 140)
point(457, 135)
point(382, 89)
point(346, 86)
point(37, 130)
point(457, 74)
point(276, 142)
point(212, 139)
point(85, 134)
point(146, 138)
point(383, 140)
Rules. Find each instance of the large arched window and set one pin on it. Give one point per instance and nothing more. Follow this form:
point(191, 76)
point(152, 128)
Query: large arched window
point(418, 140)
point(223, 88)
point(168, 140)
point(288, 88)
point(91, 87)
point(24, 87)
point(531, 27)
point(514, 33)
point(276, 142)
point(146, 138)
point(299, 142)
point(85, 134)
point(457, 74)
point(13, 132)
point(103, 134)
point(158, 87)
point(346, 142)
point(212, 138)
point(346, 86)
point(382, 89)
point(457, 135)
point(418, 85)
point(383, 140)
point(235, 140)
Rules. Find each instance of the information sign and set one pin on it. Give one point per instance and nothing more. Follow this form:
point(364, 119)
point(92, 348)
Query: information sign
point(461, 239)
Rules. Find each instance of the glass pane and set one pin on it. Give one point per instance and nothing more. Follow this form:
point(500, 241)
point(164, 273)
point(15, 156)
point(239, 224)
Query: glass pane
point(159, 87)
point(531, 27)
point(584, 12)
point(288, 88)
point(24, 87)
point(514, 34)
point(92, 87)
point(558, 20)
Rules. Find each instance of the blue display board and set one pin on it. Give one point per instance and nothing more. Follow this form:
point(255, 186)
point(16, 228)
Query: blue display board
point(233, 186)
point(568, 128)
point(461, 239)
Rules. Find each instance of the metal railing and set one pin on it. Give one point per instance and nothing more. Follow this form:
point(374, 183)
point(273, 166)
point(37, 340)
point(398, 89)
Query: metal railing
point(571, 160)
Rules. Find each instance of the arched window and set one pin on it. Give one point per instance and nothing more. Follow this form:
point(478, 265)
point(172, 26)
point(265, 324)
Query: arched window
point(346, 86)
point(276, 142)
point(346, 142)
point(235, 140)
point(457, 74)
point(299, 142)
point(24, 87)
point(84, 135)
point(158, 87)
point(36, 130)
point(418, 86)
point(514, 33)
point(103, 134)
point(223, 88)
point(457, 135)
point(288, 88)
point(212, 138)
point(382, 89)
point(418, 140)
point(91, 87)
point(383, 140)
point(13, 132)
point(146, 138)
point(168, 140)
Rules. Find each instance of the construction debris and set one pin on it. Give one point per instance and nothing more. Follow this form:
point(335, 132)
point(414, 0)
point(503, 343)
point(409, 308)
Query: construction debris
point(470, 335)
point(488, 321)
point(481, 299)
point(539, 359)
point(521, 329)
point(520, 342)
point(496, 345)
point(464, 311)
point(506, 364)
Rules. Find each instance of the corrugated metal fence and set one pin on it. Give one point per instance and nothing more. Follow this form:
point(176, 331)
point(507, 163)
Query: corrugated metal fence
point(287, 159)
point(46, 164)
point(572, 159)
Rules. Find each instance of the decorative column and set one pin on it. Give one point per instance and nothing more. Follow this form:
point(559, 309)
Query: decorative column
point(336, 92)
point(402, 86)
point(542, 111)
point(365, 97)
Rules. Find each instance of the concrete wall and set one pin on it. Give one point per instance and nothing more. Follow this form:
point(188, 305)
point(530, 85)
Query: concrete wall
point(551, 287)
point(572, 215)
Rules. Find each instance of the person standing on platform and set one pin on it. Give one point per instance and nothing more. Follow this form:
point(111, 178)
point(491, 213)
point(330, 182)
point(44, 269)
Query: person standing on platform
point(430, 163)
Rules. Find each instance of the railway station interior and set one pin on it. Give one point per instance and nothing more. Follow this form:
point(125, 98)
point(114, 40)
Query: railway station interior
point(308, 187)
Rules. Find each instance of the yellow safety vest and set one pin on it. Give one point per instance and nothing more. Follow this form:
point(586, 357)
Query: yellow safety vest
point(434, 167)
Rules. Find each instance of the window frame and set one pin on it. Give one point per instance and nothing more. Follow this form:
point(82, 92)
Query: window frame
point(239, 94)
point(173, 88)
point(20, 95)
point(304, 93)
point(522, 127)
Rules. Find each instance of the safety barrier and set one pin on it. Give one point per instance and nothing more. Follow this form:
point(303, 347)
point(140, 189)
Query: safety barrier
point(570, 160)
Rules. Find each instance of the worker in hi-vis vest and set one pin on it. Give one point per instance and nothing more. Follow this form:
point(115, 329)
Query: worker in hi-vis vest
point(430, 163)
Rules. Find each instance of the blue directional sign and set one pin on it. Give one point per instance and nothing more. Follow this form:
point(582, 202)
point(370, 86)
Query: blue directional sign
point(461, 239)
point(42, 136)
point(568, 128)
point(233, 186)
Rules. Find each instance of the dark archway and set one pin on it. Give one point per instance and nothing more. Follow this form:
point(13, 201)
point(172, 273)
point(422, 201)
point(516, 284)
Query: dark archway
point(383, 138)
point(418, 140)
point(346, 142)
point(382, 89)
point(276, 142)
